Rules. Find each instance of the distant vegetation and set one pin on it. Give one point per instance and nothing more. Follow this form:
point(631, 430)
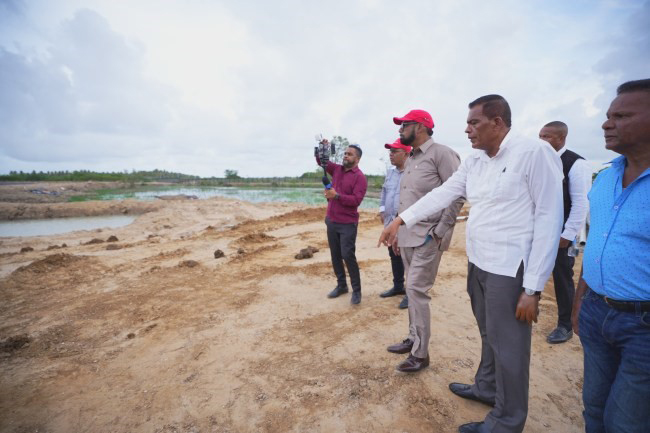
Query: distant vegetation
point(231, 178)
point(86, 175)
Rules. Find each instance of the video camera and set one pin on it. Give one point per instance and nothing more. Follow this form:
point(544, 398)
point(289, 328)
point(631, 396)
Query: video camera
point(323, 152)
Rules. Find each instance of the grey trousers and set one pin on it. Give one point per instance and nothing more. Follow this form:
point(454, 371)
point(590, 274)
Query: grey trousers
point(420, 270)
point(503, 372)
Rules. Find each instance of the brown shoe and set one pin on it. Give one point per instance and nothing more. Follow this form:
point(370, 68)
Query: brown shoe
point(403, 347)
point(413, 364)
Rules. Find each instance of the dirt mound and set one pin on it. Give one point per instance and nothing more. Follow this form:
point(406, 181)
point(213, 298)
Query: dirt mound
point(301, 215)
point(94, 241)
point(50, 263)
point(256, 238)
point(306, 253)
point(14, 343)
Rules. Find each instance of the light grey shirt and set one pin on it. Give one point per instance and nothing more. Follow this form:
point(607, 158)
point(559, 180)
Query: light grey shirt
point(429, 166)
point(389, 203)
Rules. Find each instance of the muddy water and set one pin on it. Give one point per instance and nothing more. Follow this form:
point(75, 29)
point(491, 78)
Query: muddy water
point(61, 225)
point(294, 195)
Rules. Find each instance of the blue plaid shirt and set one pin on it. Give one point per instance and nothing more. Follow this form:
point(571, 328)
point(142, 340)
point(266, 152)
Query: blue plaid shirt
point(389, 203)
point(617, 256)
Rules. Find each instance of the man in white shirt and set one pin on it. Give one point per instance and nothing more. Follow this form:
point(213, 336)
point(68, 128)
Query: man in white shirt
point(575, 186)
point(514, 186)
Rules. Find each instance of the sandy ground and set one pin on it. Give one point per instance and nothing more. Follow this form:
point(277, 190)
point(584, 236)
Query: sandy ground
point(157, 335)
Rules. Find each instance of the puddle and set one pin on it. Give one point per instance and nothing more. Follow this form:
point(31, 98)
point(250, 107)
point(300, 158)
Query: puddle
point(54, 226)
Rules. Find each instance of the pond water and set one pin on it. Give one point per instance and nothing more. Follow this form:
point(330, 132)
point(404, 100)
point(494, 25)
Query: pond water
point(312, 196)
point(56, 226)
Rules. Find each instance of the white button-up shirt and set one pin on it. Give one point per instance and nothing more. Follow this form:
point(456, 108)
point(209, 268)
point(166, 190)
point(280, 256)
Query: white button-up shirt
point(516, 209)
point(579, 186)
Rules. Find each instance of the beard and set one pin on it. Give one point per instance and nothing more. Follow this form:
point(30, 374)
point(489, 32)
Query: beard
point(347, 163)
point(408, 140)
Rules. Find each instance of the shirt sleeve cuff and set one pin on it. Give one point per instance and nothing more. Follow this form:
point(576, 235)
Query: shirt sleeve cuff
point(382, 208)
point(569, 235)
point(408, 217)
point(534, 282)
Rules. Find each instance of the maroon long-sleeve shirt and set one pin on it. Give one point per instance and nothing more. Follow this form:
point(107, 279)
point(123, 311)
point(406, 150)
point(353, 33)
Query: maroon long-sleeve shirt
point(351, 186)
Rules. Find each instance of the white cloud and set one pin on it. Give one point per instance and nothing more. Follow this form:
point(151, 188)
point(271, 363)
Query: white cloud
point(199, 87)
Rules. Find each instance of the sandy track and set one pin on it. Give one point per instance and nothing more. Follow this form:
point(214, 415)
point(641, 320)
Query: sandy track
point(159, 336)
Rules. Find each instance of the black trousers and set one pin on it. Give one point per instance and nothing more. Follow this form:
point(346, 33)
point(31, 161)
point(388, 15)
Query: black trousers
point(342, 240)
point(564, 286)
point(398, 269)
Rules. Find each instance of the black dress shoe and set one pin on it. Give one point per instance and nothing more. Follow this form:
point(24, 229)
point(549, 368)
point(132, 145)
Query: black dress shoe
point(356, 298)
point(403, 347)
point(471, 427)
point(413, 364)
point(465, 391)
point(392, 292)
point(559, 335)
point(338, 291)
point(405, 303)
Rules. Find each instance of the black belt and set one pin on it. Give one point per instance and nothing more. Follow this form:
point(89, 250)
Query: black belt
point(625, 306)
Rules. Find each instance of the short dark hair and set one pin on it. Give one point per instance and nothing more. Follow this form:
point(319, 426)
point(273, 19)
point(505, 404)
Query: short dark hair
point(357, 148)
point(634, 86)
point(494, 106)
point(429, 132)
point(559, 125)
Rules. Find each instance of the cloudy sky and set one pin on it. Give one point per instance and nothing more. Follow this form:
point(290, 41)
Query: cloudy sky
point(201, 86)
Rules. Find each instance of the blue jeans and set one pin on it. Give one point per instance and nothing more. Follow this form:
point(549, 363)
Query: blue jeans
point(616, 390)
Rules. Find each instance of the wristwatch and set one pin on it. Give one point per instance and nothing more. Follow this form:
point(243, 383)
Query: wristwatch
point(336, 196)
point(531, 292)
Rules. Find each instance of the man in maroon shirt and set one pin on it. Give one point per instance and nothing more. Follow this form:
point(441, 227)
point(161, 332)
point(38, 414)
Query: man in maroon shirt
point(343, 198)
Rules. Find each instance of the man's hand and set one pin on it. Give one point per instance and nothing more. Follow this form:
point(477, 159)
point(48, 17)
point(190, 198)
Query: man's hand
point(564, 243)
point(527, 308)
point(577, 303)
point(330, 193)
point(389, 235)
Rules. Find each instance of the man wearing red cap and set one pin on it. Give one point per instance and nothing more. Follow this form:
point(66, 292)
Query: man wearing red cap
point(421, 245)
point(388, 207)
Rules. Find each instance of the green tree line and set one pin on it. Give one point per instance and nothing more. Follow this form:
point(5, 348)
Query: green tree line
point(87, 175)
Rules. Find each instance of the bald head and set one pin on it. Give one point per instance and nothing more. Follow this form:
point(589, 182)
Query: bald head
point(555, 134)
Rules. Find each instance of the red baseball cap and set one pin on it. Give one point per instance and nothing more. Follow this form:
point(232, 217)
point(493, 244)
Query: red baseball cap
point(419, 116)
point(397, 144)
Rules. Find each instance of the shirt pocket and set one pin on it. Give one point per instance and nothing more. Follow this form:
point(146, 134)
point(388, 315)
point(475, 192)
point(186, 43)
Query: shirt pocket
point(509, 186)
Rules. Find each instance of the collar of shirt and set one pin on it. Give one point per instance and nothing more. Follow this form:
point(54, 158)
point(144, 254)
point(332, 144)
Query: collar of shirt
point(619, 164)
point(425, 146)
point(353, 170)
point(561, 151)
